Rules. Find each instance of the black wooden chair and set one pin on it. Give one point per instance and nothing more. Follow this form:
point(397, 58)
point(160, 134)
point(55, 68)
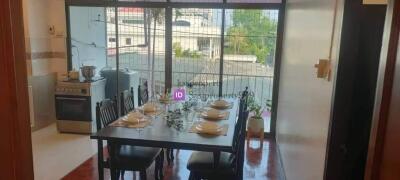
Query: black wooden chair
point(143, 94)
point(143, 98)
point(127, 101)
point(124, 157)
point(230, 166)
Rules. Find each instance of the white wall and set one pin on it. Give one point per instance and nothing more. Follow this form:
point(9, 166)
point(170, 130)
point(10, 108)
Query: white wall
point(304, 101)
point(47, 54)
point(85, 30)
point(39, 15)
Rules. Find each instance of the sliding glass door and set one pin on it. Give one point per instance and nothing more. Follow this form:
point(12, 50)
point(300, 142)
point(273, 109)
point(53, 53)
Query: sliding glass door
point(213, 47)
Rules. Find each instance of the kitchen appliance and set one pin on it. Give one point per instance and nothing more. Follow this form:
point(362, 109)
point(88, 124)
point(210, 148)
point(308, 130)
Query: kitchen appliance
point(127, 79)
point(88, 72)
point(75, 102)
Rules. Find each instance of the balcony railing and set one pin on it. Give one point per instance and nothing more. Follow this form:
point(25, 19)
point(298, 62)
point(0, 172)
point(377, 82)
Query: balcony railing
point(204, 83)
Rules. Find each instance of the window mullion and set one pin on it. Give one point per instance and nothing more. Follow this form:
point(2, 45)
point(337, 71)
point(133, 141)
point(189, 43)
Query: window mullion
point(168, 48)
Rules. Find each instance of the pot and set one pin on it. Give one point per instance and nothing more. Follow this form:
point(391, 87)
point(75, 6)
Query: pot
point(255, 125)
point(88, 72)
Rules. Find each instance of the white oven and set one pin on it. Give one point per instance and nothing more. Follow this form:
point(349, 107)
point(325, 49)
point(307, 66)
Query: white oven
point(75, 103)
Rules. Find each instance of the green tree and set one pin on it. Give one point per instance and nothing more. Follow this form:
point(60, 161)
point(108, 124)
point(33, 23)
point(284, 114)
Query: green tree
point(237, 39)
point(252, 32)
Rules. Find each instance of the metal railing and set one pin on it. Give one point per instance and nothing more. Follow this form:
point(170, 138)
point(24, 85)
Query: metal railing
point(207, 84)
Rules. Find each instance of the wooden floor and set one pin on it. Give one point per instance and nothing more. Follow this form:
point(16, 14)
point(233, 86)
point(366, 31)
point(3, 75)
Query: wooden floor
point(260, 163)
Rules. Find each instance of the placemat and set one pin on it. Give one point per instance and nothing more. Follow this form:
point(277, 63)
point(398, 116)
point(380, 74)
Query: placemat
point(224, 131)
point(122, 123)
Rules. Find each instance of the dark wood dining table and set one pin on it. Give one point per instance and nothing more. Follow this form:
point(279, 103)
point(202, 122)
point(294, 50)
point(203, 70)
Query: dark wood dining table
point(158, 134)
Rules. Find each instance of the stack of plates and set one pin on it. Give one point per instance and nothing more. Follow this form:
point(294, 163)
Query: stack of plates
point(150, 107)
point(213, 114)
point(206, 127)
point(220, 104)
point(134, 118)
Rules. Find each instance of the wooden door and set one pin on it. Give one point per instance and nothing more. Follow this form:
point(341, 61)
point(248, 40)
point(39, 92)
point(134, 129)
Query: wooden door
point(15, 135)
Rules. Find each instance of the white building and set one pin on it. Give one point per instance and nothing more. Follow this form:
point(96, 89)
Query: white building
point(193, 30)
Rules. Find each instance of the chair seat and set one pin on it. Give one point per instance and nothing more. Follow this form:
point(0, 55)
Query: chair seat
point(204, 162)
point(136, 157)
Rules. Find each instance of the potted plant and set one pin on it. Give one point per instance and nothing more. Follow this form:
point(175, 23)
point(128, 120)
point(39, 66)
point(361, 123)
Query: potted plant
point(255, 123)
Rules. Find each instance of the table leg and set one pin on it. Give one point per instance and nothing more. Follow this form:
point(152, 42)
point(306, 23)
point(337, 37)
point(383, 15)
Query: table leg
point(217, 155)
point(113, 171)
point(100, 159)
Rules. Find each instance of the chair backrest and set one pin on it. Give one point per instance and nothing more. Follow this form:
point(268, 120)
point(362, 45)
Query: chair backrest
point(127, 101)
point(240, 134)
point(240, 149)
point(106, 113)
point(242, 110)
point(243, 102)
point(143, 92)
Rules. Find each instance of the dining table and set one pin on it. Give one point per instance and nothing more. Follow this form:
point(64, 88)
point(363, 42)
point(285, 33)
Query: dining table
point(160, 134)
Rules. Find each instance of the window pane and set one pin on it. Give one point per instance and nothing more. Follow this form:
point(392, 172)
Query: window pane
point(249, 55)
point(196, 48)
point(88, 37)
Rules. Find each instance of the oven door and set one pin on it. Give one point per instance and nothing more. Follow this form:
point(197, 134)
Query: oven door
point(73, 108)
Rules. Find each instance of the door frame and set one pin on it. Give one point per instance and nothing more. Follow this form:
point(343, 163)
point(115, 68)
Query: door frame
point(15, 132)
point(384, 96)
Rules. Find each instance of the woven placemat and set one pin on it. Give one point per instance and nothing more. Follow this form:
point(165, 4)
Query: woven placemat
point(122, 123)
point(224, 131)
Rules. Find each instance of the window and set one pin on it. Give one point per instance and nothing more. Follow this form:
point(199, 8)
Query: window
point(128, 41)
point(111, 39)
